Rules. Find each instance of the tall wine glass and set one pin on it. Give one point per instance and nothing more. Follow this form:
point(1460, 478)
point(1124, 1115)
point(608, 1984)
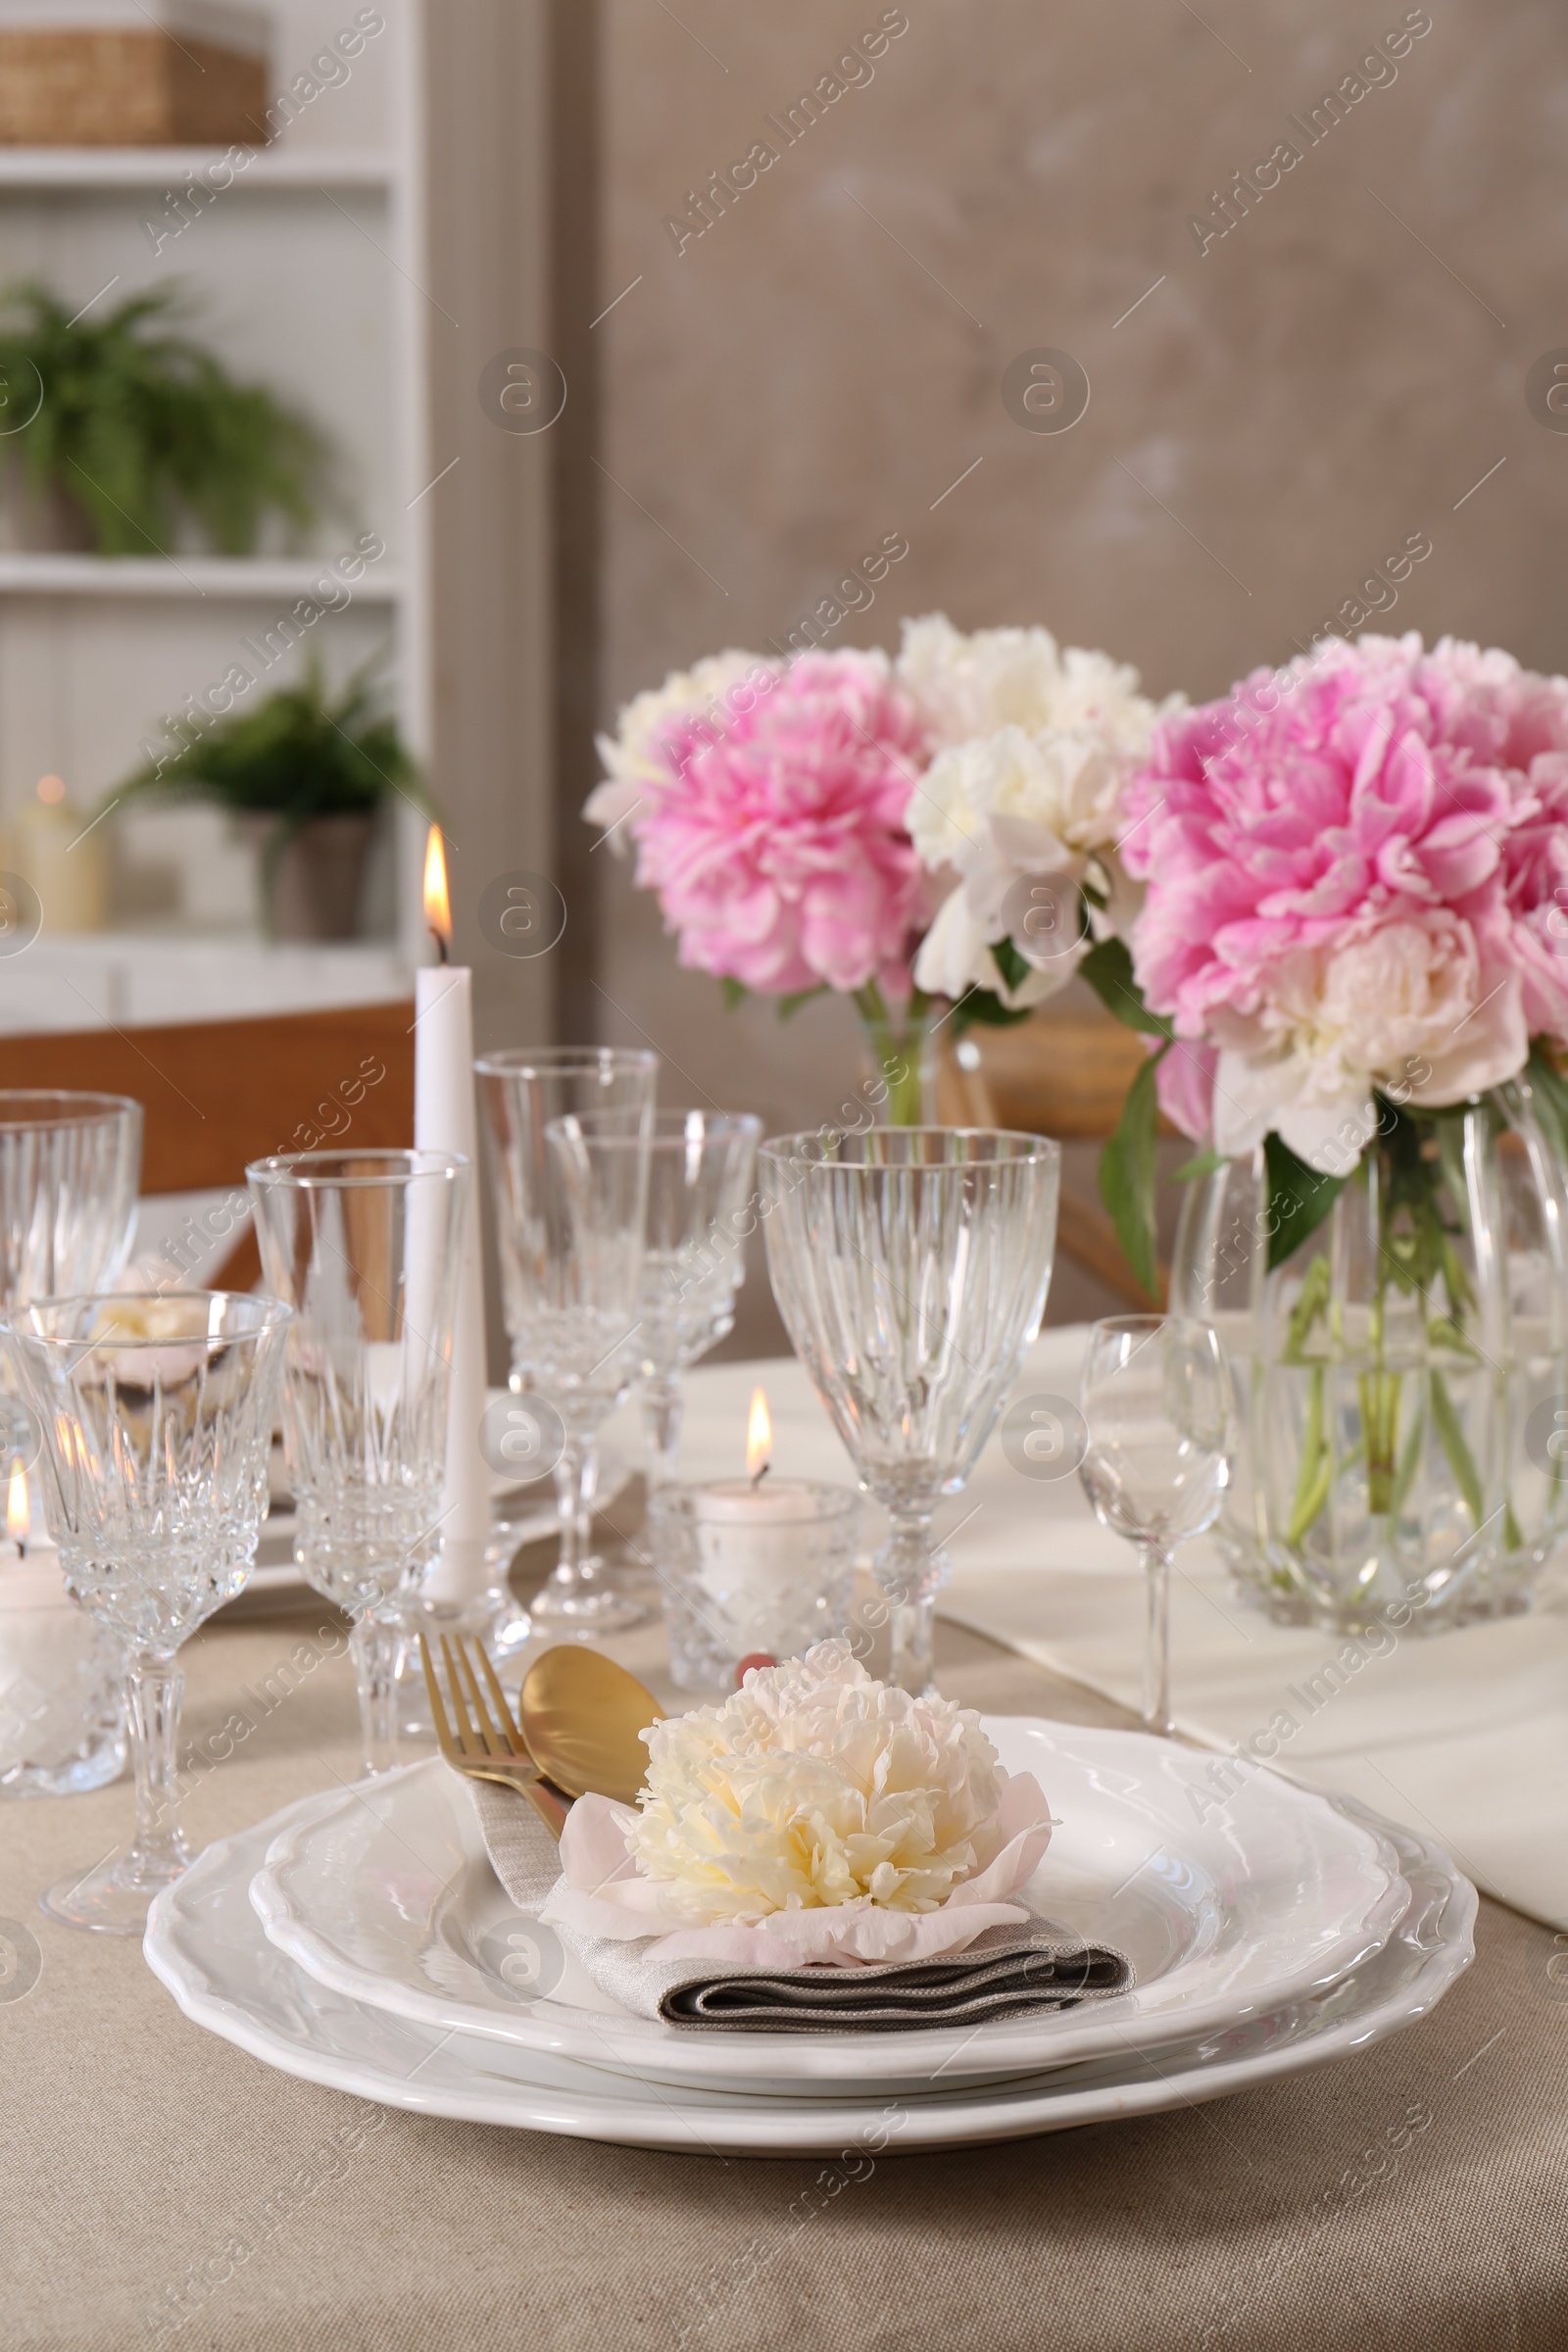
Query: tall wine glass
point(1156, 1397)
point(911, 1265)
point(699, 1169)
point(156, 1412)
point(70, 1165)
point(568, 1323)
point(364, 1246)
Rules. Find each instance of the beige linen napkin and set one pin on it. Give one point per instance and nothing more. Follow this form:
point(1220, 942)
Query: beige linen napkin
point(1007, 1972)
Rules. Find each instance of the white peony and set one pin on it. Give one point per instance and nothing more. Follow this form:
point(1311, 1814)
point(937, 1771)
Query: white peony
point(1067, 786)
point(815, 1785)
point(634, 765)
point(1037, 745)
point(969, 685)
point(817, 1806)
point(1408, 1008)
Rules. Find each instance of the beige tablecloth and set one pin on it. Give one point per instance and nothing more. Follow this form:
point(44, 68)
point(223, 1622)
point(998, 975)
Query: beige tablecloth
point(140, 2154)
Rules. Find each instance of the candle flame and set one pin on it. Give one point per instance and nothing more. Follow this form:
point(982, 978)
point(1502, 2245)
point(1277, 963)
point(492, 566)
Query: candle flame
point(437, 903)
point(19, 1516)
point(759, 1436)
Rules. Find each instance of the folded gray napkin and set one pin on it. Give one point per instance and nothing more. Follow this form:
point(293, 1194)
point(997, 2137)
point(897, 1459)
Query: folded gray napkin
point(1007, 1972)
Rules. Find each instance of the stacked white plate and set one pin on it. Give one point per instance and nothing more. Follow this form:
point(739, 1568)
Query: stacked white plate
point(361, 1939)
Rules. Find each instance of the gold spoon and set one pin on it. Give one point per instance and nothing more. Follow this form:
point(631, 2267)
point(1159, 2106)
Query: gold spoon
point(583, 1716)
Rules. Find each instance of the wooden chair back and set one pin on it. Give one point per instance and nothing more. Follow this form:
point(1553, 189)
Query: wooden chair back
point(217, 1095)
point(1061, 1076)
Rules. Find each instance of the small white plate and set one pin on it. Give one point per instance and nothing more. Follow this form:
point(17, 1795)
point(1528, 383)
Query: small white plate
point(206, 1946)
point(386, 1895)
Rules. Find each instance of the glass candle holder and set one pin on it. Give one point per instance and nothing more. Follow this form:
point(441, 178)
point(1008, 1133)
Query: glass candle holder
point(747, 1568)
point(61, 1727)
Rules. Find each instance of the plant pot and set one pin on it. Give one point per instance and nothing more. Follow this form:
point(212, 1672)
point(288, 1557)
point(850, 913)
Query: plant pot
point(42, 522)
point(1402, 1376)
point(317, 878)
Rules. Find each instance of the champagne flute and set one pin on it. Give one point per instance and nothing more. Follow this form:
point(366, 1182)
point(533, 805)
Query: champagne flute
point(569, 1317)
point(1156, 1397)
point(699, 1169)
point(364, 1246)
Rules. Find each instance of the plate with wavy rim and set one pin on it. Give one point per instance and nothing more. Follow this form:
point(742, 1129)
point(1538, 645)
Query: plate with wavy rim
point(205, 1943)
point(1228, 1910)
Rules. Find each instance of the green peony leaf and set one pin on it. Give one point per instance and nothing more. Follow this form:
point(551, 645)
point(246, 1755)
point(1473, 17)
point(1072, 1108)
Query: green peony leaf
point(1108, 969)
point(1298, 1201)
point(1009, 963)
point(984, 1006)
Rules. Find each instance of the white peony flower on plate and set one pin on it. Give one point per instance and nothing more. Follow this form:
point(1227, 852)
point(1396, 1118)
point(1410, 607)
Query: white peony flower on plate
point(634, 766)
point(815, 1814)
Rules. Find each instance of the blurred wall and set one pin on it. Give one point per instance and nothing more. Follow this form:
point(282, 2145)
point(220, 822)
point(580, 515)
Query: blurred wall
point(1276, 405)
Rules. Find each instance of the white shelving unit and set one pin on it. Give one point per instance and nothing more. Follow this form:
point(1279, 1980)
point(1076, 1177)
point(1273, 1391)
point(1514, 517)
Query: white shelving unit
point(180, 576)
point(141, 980)
point(306, 273)
point(167, 168)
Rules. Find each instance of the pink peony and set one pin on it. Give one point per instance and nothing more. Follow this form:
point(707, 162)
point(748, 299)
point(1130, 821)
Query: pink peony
point(779, 851)
point(1352, 869)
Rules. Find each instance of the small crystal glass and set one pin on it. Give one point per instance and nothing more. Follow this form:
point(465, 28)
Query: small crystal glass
point(570, 1228)
point(699, 1169)
point(748, 1570)
point(364, 1246)
point(911, 1266)
point(157, 1412)
point(1156, 1397)
point(70, 1167)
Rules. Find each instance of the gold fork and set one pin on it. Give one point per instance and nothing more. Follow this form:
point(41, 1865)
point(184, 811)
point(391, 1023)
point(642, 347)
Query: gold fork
point(489, 1747)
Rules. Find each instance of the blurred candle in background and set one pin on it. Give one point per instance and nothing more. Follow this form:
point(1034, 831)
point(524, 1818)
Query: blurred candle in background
point(444, 1120)
point(63, 854)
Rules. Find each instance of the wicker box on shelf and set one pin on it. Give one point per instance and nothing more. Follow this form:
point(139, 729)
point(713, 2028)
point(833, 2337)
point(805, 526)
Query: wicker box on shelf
point(101, 74)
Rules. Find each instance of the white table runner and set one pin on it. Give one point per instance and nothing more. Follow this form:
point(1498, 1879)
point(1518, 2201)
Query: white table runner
point(1463, 1735)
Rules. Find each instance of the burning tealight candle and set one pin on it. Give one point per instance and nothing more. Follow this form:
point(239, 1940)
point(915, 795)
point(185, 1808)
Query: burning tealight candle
point(752, 1565)
point(749, 1530)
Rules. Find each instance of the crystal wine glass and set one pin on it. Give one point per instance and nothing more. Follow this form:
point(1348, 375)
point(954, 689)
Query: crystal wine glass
point(364, 1246)
point(569, 1317)
point(1156, 1397)
point(70, 1165)
point(156, 1412)
point(699, 1169)
point(911, 1265)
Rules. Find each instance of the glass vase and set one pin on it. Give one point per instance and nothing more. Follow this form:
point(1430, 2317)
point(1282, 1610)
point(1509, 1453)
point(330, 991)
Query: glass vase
point(1402, 1405)
point(898, 1058)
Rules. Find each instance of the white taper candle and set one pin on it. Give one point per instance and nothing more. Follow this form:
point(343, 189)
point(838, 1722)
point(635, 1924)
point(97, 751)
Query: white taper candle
point(444, 1120)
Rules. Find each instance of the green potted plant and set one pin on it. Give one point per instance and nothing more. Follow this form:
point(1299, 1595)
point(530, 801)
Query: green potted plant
point(129, 438)
point(305, 773)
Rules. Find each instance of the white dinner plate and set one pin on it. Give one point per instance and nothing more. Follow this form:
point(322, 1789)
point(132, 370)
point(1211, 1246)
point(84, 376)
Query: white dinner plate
point(385, 1894)
point(205, 1943)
